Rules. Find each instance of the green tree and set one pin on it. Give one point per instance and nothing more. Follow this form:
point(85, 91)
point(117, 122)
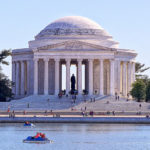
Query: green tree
point(138, 90)
point(5, 89)
point(4, 54)
point(148, 91)
point(5, 83)
point(145, 79)
point(139, 69)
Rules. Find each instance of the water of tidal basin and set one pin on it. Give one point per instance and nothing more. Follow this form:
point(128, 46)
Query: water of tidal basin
point(77, 137)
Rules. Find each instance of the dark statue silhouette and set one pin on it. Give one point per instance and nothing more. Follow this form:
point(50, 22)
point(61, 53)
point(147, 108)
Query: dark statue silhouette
point(73, 82)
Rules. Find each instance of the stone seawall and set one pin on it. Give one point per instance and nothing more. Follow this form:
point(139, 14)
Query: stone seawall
point(126, 120)
point(75, 112)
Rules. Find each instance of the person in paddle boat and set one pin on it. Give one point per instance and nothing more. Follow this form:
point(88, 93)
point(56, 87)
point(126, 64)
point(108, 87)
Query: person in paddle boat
point(42, 135)
point(38, 138)
point(27, 123)
point(39, 135)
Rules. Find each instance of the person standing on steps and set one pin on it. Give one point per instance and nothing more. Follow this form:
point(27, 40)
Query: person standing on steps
point(118, 97)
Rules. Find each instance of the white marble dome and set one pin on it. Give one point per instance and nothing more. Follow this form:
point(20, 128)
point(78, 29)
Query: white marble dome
point(74, 22)
point(72, 25)
point(79, 28)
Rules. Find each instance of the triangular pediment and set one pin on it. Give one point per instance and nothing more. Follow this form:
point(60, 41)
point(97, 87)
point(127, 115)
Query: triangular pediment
point(73, 45)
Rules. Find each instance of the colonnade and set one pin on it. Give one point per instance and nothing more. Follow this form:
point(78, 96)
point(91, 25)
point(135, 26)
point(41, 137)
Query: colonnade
point(68, 63)
point(20, 74)
point(125, 76)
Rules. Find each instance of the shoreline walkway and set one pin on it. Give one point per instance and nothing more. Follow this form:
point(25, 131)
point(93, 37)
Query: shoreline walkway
point(50, 108)
point(112, 120)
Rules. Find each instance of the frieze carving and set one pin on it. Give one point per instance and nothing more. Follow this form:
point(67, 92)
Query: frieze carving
point(58, 31)
point(50, 46)
point(73, 45)
point(67, 45)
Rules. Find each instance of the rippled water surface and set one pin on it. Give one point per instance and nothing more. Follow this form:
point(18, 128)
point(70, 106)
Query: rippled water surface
point(77, 137)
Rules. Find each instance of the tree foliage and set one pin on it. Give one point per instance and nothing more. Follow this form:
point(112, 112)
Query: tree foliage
point(4, 54)
point(145, 79)
point(5, 89)
point(139, 90)
point(139, 69)
point(148, 91)
point(5, 83)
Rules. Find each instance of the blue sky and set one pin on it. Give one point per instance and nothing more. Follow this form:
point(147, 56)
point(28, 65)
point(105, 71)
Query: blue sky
point(128, 21)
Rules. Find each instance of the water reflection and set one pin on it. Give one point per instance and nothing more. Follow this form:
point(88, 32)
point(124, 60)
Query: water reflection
point(77, 136)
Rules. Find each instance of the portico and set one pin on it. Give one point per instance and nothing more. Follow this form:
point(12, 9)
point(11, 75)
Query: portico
point(21, 77)
point(38, 69)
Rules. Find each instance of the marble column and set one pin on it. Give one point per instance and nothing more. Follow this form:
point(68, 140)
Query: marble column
point(86, 76)
point(112, 77)
point(133, 72)
point(129, 77)
point(90, 76)
point(13, 77)
point(118, 76)
point(60, 76)
point(79, 76)
point(67, 76)
point(22, 78)
point(28, 77)
point(46, 76)
point(35, 76)
point(17, 78)
point(124, 79)
point(101, 71)
point(57, 76)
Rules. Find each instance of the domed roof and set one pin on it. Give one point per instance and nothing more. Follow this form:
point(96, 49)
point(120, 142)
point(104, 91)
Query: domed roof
point(72, 25)
point(74, 22)
point(78, 28)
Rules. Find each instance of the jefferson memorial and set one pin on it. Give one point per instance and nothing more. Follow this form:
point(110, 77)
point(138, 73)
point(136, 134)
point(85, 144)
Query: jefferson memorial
point(78, 41)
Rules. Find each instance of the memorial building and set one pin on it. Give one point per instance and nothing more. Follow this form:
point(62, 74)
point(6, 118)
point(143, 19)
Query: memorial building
point(73, 40)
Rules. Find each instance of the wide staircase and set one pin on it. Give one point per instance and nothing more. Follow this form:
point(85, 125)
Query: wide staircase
point(41, 102)
point(98, 103)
